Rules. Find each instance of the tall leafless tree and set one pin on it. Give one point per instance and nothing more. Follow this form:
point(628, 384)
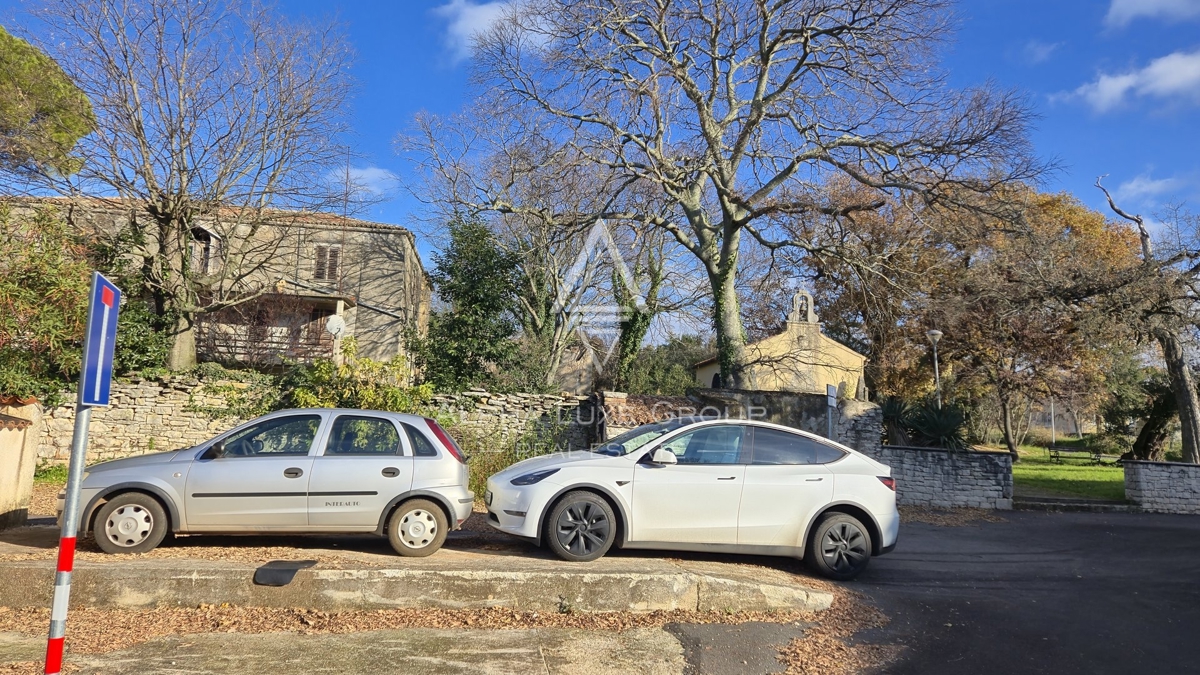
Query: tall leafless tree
point(737, 110)
point(540, 198)
point(211, 116)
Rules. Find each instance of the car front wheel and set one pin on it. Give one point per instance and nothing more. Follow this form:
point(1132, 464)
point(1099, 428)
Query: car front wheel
point(132, 522)
point(418, 528)
point(840, 547)
point(581, 527)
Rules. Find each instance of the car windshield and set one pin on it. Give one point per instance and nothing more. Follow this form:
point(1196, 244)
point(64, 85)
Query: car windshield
point(636, 438)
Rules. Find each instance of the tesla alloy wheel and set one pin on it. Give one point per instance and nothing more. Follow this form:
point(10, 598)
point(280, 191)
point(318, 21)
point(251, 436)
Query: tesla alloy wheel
point(132, 522)
point(581, 527)
point(840, 547)
point(418, 528)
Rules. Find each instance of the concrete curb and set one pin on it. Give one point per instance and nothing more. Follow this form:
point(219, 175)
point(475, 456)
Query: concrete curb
point(189, 583)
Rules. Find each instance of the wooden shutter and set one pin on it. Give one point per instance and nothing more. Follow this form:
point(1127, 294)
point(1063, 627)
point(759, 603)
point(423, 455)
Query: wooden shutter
point(331, 269)
point(319, 272)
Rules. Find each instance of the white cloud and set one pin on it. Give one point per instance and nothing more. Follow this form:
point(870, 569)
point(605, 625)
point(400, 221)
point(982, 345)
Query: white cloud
point(1121, 12)
point(1172, 77)
point(369, 180)
point(1144, 189)
point(1036, 51)
point(465, 19)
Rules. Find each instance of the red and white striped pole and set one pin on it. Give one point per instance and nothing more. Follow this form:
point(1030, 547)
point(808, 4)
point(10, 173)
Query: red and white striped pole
point(66, 544)
point(99, 362)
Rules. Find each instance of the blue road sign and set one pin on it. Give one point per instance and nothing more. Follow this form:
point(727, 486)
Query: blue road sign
point(99, 341)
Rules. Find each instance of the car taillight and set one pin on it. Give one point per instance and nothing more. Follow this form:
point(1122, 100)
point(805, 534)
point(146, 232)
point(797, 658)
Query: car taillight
point(444, 438)
point(888, 481)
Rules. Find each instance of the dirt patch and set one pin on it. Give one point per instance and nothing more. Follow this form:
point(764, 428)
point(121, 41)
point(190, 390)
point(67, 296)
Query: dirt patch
point(827, 649)
point(948, 517)
point(96, 631)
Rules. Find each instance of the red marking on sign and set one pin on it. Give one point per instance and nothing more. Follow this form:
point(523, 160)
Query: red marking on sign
point(106, 296)
point(54, 655)
point(66, 554)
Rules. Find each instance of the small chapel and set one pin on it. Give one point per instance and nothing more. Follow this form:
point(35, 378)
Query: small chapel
point(801, 359)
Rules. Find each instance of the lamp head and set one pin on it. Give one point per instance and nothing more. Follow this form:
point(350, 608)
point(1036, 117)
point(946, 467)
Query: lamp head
point(934, 335)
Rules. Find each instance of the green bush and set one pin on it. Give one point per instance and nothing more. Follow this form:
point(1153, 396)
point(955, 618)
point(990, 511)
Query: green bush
point(488, 452)
point(142, 343)
point(355, 383)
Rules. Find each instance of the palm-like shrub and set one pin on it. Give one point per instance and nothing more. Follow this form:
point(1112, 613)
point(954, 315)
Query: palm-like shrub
point(938, 427)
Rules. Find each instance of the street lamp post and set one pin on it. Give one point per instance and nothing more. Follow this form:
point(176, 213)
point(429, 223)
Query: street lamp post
point(935, 335)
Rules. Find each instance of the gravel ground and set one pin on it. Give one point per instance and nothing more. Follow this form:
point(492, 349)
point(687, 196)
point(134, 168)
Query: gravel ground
point(44, 500)
point(948, 517)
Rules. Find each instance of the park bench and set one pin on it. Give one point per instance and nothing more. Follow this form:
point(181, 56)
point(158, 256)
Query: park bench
point(1058, 452)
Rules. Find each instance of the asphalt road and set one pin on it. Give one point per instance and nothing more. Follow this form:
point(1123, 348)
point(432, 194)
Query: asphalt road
point(1057, 593)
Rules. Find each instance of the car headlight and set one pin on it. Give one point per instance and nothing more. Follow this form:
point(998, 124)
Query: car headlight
point(535, 477)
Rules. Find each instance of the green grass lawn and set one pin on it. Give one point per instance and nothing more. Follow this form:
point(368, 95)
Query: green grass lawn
point(1035, 475)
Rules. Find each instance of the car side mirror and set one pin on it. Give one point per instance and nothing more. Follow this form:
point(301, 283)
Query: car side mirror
point(214, 451)
point(663, 456)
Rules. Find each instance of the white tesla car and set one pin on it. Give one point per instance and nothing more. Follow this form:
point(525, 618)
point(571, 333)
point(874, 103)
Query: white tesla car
point(692, 484)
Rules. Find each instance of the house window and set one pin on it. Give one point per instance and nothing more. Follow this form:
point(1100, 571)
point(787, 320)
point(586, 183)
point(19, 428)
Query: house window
point(204, 250)
point(328, 260)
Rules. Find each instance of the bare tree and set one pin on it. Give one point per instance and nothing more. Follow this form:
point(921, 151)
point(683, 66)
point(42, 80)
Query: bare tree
point(1166, 307)
point(211, 114)
point(737, 110)
point(539, 198)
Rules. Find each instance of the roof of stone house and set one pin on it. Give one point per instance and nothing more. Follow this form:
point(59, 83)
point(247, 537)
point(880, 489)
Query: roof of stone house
point(8, 422)
point(299, 218)
point(631, 410)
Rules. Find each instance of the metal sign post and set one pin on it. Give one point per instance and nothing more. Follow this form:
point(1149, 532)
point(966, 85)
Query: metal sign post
point(94, 384)
point(830, 406)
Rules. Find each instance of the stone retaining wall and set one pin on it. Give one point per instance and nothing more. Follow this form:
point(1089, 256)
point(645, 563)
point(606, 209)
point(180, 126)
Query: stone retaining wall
point(567, 421)
point(1163, 487)
point(858, 424)
point(946, 479)
point(157, 415)
point(144, 416)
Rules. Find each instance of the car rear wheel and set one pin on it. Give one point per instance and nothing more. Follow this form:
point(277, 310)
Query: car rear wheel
point(840, 547)
point(132, 522)
point(418, 528)
point(581, 527)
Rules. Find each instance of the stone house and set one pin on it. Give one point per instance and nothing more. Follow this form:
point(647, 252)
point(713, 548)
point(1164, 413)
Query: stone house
point(314, 279)
point(801, 359)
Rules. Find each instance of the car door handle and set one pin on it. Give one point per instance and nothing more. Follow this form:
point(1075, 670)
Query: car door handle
point(293, 472)
point(728, 478)
point(391, 472)
point(813, 480)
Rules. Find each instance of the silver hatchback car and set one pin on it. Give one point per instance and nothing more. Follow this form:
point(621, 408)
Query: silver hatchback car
point(294, 471)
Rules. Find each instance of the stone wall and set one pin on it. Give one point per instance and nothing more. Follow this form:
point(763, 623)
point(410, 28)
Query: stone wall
point(858, 424)
point(946, 479)
point(568, 421)
point(157, 415)
point(1163, 487)
point(144, 416)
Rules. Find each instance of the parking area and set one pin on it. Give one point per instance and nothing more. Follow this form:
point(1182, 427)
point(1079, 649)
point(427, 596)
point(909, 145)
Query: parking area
point(1054, 593)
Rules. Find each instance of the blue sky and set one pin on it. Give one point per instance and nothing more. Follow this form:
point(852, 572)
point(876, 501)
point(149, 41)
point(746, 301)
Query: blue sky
point(1116, 82)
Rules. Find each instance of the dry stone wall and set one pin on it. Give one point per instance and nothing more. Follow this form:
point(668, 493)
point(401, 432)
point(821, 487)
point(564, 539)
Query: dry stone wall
point(144, 416)
point(164, 414)
point(568, 421)
point(1163, 487)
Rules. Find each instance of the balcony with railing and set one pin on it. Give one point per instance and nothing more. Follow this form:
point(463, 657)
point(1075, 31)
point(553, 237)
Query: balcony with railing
point(272, 330)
